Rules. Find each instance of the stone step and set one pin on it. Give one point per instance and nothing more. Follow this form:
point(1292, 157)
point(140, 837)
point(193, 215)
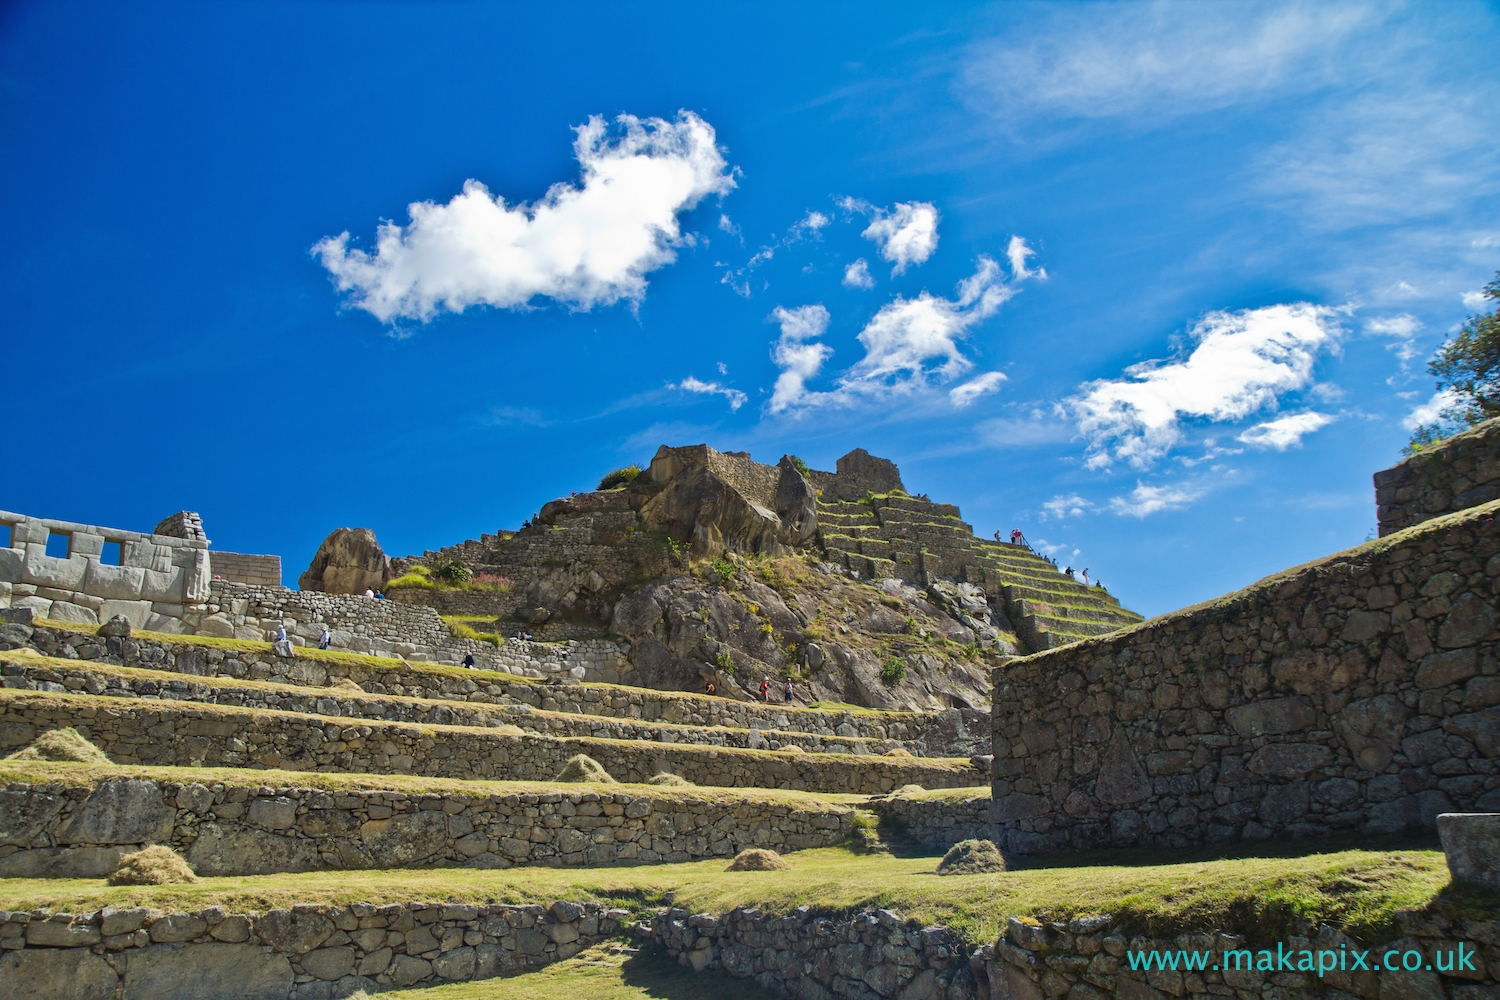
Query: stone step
point(237, 822)
point(379, 675)
point(1094, 613)
point(1072, 626)
point(1051, 592)
point(101, 680)
point(140, 731)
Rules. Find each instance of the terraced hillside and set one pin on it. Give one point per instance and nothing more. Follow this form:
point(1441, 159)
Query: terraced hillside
point(911, 538)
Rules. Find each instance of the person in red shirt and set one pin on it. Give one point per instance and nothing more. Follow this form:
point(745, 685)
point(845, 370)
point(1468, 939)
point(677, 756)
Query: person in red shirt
point(765, 690)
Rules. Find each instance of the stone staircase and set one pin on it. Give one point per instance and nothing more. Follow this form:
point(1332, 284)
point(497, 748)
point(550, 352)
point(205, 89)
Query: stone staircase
point(913, 539)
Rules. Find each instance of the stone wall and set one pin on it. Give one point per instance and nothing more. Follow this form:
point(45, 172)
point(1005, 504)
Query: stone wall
point(936, 824)
point(1358, 693)
point(236, 567)
point(878, 954)
point(858, 473)
point(156, 579)
point(76, 830)
point(752, 479)
point(139, 731)
point(59, 676)
point(480, 686)
point(305, 953)
point(1461, 472)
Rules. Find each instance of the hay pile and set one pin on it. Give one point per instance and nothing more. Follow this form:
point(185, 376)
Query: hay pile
point(907, 790)
point(509, 730)
point(154, 865)
point(897, 752)
point(346, 686)
point(585, 768)
point(62, 744)
point(669, 779)
point(971, 857)
point(757, 859)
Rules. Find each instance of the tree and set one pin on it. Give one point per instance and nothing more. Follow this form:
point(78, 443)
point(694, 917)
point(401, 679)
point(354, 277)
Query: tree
point(1468, 368)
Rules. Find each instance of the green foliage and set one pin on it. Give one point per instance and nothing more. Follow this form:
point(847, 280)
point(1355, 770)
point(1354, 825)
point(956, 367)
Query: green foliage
point(463, 630)
point(674, 547)
point(620, 477)
point(1468, 367)
point(893, 670)
point(868, 498)
point(725, 660)
point(454, 572)
point(801, 467)
point(722, 569)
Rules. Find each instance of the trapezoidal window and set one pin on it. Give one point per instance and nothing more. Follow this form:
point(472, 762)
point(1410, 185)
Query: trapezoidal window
point(58, 544)
point(7, 536)
point(112, 554)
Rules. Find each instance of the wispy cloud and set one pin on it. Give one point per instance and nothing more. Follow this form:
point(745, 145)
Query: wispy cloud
point(809, 227)
point(798, 359)
point(1431, 411)
point(1241, 362)
point(1401, 330)
point(583, 246)
point(963, 395)
point(857, 275)
point(1144, 500)
point(735, 397)
point(905, 235)
point(1474, 300)
point(1284, 432)
point(504, 416)
point(1066, 505)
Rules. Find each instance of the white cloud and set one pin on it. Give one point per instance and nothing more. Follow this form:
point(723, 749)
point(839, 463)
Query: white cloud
point(723, 368)
point(1067, 505)
point(807, 227)
point(909, 344)
point(1401, 330)
point(1284, 432)
point(905, 235)
point(797, 359)
point(1241, 362)
point(1431, 411)
point(1145, 500)
point(728, 226)
point(963, 395)
point(581, 246)
point(1474, 300)
point(1017, 252)
point(691, 384)
point(857, 275)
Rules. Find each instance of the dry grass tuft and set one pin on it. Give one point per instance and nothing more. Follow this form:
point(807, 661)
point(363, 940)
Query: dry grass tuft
point(906, 790)
point(971, 857)
point(154, 865)
point(757, 859)
point(897, 752)
point(346, 686)
point(62, 744)
point(509, 730)
point(585, 768)
point(667, 778)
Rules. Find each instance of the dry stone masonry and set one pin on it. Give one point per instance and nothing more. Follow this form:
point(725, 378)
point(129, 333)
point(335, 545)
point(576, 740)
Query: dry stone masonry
point(1461, 472)
point(304, 953)
point(58, 830)
point(1360, 693)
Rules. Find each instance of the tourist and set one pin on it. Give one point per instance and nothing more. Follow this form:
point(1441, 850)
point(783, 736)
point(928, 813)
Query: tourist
point(787, 689)
point(709, 689)
point(765, 690)
point(997, 535)
point(1016, 536)
point(281, 634)
point(325, 638)
point(379, 595)
point(469, 660)
point(1068, 572)
point(1085, 576)
point(369, 593)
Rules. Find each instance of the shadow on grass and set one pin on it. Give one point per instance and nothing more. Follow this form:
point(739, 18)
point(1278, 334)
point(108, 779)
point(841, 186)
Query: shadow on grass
point(660, 978)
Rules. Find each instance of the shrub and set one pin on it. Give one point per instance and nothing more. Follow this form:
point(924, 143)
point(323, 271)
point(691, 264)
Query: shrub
point(454, 572)
point(154, 865)
point(971, 857)
point(801, 467)
point(492, 581)
point(725, 660)
point(893, 671)
point(411, 578)
point(757, 859)
point(722, 569)
point(620, 477)
point(585, 768)
point(62, 744)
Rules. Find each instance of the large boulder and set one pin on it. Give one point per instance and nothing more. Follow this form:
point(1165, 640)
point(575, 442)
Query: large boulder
point(796, 502)
point(350, 561)
point(700, 508)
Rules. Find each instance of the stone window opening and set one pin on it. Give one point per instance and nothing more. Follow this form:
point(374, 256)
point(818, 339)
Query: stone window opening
point(7, 536)
point(59, 544)
point(112, 554)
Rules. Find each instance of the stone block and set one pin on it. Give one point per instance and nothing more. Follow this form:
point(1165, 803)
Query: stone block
point(12, 565)
point(63, 862)
point(121, 811)
point(24, 815)
point(1471, 843)
point(138, 613)
point(196, 971)
point(42, 570)
point(163, 585)
point(76, 973)
point(38, 606)
point(122, 583)
point(66, 611)
point(235, 850)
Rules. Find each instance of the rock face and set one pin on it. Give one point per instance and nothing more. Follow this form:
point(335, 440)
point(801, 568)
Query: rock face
point(350, 561)
point(1471, 842)
point(698, 507)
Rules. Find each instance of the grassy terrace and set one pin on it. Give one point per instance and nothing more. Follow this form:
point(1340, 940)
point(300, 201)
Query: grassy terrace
point(1359, 891)
point(41, 772)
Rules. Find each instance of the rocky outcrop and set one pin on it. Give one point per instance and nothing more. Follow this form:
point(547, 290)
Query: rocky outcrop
point(700, 508)
point(350, 561)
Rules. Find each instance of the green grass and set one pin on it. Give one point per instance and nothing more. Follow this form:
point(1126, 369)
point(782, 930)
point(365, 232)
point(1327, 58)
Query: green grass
point(596, 974)
point(461, 628)
point(1359, 891)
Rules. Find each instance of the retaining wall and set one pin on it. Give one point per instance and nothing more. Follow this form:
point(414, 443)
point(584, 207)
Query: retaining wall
point(1354, 694)
point(58, 830)
point(305, 953)
point(936, 824)
point(478, 686)
point(1461, 472)
point(138, 731)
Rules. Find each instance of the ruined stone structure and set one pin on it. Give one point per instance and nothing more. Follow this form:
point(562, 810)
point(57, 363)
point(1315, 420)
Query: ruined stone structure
point(1456, 474)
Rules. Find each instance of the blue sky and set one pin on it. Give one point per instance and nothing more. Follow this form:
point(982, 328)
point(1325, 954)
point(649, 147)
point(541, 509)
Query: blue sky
point(1154, 283)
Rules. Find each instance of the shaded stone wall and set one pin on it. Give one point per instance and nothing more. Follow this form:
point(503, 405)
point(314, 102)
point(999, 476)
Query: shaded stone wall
point(936, 824)
point(307, 953)
point(137, 731)
point(1461, 472)
point(1354, 694)
point(236, 567)
point(222, 828)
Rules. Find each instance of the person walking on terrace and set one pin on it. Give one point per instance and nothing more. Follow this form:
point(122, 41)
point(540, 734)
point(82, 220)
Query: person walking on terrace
point(1085, 576)
point(325, 638)
point(765, 690)
point(787, 690)
point(469, 660)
